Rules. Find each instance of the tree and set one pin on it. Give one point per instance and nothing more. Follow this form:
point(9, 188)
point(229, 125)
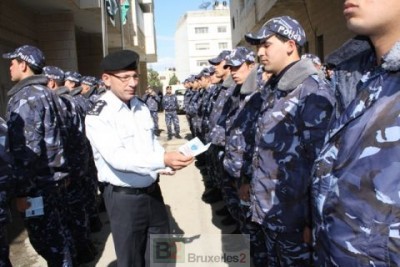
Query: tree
point(153, 79)
point(174, 80)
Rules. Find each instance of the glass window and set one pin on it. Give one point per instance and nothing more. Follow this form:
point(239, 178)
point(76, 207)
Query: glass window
point(201, 30)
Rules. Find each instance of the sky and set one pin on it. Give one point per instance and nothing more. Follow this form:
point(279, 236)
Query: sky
point(167, 14)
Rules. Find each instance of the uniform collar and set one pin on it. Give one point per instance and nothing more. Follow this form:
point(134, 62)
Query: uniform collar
point(31, 80)
point(116, 103)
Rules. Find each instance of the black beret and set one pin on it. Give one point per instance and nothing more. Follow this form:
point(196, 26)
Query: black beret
point(120, 60)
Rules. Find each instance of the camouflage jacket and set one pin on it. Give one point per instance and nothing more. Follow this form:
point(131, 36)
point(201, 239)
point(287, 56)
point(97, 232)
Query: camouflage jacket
point(186, 98)
point(356, 178)
point(217, 133)
point(289, 134)
point(37, 131)
point(152, 102)
point(77, 146)
point(5, 172)
point(240, 130)
point(170, 102)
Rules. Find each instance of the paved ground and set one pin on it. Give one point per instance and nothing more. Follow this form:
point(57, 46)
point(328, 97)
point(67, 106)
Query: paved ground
point(191, 220)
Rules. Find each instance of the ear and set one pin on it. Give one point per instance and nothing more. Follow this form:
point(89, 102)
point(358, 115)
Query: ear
point(106, 79)
point(23, 66)
point(291, 47)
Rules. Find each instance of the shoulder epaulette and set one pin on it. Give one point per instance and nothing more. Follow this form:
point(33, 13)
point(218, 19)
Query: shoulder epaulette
point(97, 108)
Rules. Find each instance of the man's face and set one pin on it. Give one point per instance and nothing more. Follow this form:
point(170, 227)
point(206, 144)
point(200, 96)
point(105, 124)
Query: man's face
point(16, 70)
point(122, 83)
point(274, 54)
point(220, 72)
point(69, 84)
point(169, 90)
point(85, 88)
point(215, 79)
point(240, 73)
point(372, 17)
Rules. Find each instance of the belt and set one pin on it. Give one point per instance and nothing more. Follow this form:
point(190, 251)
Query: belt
point(135, 191)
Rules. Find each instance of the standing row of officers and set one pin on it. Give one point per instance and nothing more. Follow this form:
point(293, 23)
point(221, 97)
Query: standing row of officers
point(45, 155)
point(308, 167)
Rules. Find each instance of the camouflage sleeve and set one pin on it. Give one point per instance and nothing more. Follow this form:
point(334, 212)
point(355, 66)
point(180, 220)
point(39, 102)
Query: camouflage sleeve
point(5, 172)
point(26, 137)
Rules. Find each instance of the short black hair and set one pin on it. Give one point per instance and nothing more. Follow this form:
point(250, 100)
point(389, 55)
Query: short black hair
point(285, 39)
point(34, 69)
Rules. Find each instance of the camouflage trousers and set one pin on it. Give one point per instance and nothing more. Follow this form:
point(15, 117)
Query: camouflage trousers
point(49, 233)
point(258, 249)
point(287, 249)
point(154, 115)
point(78, 216)
point(4, 248)
point(171, 117)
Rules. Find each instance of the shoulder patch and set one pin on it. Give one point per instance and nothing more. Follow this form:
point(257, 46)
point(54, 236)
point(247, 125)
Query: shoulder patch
point(97, 108)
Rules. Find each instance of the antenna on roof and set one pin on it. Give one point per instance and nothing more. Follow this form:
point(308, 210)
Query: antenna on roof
point(205, 5)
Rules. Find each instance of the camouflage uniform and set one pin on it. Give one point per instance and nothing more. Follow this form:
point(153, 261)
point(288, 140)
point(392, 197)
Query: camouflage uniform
point(79, 192)
point(239, 149)
point(170, 105)
point(152, 103)
point(37, 135)
point(289, 133)
point(356, 177)
point(5, 190)
point(186, 100)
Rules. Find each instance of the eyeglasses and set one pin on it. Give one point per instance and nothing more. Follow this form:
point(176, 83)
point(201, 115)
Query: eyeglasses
point(125, 78)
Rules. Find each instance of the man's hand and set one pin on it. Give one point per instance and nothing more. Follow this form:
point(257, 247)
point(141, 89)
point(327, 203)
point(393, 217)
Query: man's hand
point(177, 160)
point(22, 204)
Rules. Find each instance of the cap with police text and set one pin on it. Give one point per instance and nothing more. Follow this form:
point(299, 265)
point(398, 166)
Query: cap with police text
point(89, 80)
point(53, 72)
point(30, 54)
point(72, 76)
point(315, 59)
point(238, 56)
point(284, 26)
point(120, 60)
point(219, 58)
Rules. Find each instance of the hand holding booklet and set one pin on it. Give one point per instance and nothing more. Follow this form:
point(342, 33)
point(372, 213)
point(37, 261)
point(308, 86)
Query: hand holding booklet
point(192, 148)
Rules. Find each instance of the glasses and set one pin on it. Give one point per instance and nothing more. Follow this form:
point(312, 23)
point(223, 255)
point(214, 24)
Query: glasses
point(125, 78)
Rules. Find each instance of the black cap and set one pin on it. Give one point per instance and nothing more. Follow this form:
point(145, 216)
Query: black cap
point(120, 60)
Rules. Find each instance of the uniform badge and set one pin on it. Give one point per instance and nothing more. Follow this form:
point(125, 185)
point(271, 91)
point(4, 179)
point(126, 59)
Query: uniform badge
point(97, 108)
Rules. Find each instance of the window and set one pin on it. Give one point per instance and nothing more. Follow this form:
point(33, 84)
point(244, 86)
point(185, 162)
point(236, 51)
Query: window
point(223, 45)
point(201, 30)
point(202, 63)
point(203, 46)
point(221, 28)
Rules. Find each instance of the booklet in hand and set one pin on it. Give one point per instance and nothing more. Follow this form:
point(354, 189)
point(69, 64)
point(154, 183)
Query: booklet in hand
point(194, 147)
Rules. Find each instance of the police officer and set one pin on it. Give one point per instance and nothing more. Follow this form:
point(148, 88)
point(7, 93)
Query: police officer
point(129, 162)
point(6, 190)
point(78, 159)
point(239, 145)
point(290, 130)
point(37, 134)
point(152, 100)
point(72, 79)
point(170, 105)
point(356, 176)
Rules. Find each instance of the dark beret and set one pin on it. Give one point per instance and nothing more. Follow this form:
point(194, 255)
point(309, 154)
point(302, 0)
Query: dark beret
point(120, 60)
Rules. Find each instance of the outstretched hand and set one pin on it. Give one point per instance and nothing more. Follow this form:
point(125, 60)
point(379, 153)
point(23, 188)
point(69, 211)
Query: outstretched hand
point(177, 160)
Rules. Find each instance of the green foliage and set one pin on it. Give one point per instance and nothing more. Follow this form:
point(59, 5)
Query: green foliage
point(174, 80)
point(153, 79)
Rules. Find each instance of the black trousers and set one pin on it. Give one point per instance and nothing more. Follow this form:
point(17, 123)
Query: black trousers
point(133, 218)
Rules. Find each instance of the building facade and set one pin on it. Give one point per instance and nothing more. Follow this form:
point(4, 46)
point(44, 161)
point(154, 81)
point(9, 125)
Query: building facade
point(201, 35)
point(76, 34)
point(322, 20)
